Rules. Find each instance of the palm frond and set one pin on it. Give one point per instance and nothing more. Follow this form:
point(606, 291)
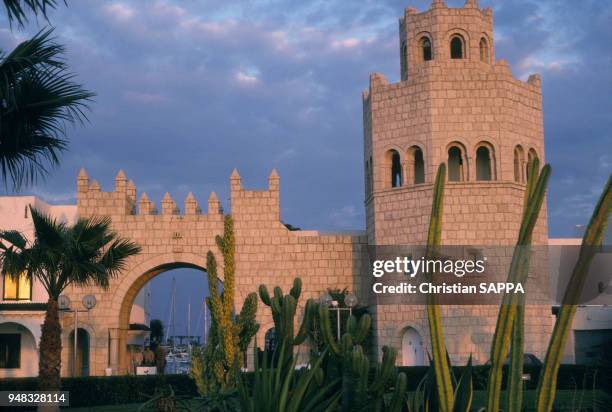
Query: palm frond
point(38, 97)
point(14, 238)
point(16, 9)
point(48, 231)
point(114, 259)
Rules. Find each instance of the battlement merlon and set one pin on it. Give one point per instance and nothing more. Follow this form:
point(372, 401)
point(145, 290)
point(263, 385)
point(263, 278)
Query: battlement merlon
point(123, 201)
point(255, 205)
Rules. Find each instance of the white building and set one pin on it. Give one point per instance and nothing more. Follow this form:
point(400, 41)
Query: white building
point(23, 303)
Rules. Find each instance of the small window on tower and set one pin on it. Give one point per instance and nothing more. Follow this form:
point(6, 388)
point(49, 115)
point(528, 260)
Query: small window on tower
point(426, 46)
point(394, 166)
point(519, 161)
point(483, 163)
point(532, 156)
point(484, 50)
point(456, 171)
point(456, 47)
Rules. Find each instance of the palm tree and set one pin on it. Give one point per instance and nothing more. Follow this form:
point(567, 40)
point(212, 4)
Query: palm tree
point(38, 97)
point(16, 9)
point(87, 253)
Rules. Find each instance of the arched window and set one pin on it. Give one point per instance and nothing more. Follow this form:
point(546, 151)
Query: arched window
point(456, 168)
point(484, 164)
point(426, 48)
point(456, 47)
point(394, 166)
point(404, 53)
point(531, 157)
point(484, 50)
point(519, 161)
point(416, 165)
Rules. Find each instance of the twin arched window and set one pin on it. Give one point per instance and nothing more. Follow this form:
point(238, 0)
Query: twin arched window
point(457, 163)
point(415, 167)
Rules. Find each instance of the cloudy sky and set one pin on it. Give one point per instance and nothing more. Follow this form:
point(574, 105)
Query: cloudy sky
point(188, 90)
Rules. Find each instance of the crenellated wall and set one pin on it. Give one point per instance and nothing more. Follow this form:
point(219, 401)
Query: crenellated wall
point(266, 253)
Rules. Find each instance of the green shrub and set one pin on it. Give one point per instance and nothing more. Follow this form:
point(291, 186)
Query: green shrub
point(108, 390)
point(570, 376)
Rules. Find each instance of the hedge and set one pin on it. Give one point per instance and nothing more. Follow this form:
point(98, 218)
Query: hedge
point(570, 376)
point(108, 390)
point(113, 390)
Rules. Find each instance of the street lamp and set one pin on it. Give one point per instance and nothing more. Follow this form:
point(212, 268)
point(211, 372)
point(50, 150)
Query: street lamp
point(350, 301)
point(89, 302)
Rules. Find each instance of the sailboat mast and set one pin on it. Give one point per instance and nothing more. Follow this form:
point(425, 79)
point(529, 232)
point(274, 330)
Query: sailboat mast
point(189, 322)
point(173, 309)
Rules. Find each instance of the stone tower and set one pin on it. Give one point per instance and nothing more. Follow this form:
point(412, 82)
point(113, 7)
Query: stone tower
point(455, 104)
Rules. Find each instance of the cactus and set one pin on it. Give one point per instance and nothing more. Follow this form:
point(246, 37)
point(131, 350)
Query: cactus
point(592, 239)
point(214, 368)
point(515, 377)
point(442, 370)
point(276, 385)
point(356, 392)
point(283, 313)
point(517, 274)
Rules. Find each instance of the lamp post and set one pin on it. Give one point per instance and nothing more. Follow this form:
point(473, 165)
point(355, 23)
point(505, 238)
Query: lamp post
point(89, 301)
point(350, 301)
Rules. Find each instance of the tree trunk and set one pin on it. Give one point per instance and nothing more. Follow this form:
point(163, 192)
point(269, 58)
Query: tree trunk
point(50, 349)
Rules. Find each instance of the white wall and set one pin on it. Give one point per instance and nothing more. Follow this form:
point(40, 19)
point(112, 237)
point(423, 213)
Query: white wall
point(15, 215)
point(29, 350)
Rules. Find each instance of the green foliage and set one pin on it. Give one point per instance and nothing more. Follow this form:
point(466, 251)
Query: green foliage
point(39, 98)
point(283, 309)
point(110, 390)
point(315, 335)
point(519, 266)
point(440, 361)
point(87, 253)
point(214, 368)
point(16, 9)
point(359, 392)
point(515, 380)
point(157, 330)
point(277, 389)
point(593, 237)
point(426, 398)
point(277, 386)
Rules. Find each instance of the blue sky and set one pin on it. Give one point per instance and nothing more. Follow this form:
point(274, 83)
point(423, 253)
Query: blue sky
point(188, 90)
